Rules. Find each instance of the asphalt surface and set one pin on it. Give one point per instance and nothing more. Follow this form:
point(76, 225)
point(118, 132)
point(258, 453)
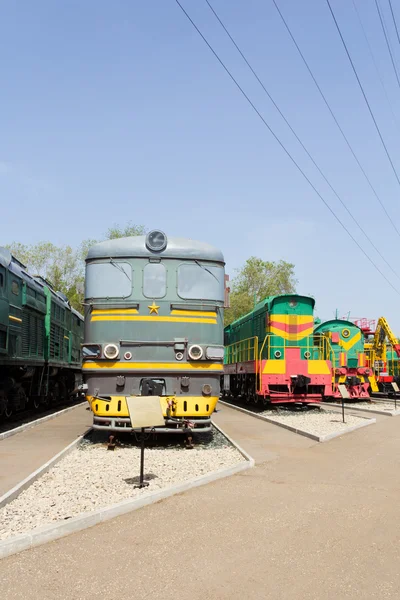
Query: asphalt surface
point(24, 452)
point(312, 522)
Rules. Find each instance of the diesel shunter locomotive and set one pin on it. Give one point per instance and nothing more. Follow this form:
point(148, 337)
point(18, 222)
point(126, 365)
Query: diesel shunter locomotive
point(273, 356)
point(350, 366)
point(153, 326)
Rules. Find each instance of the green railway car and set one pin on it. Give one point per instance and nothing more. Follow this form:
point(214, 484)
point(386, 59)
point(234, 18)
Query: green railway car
point(40, 340)
point(392, 362)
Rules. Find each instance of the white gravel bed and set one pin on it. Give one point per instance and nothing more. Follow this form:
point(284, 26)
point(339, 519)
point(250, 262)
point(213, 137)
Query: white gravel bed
point(319, 422)
point(380, 405)
point(92, 477)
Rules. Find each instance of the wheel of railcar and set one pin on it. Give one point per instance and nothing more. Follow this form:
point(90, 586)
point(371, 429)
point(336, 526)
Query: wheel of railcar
point(19, 399)
point(233, 386)
point(63, 391)
point(264, 402)
point(53, 395)
point(8, 411)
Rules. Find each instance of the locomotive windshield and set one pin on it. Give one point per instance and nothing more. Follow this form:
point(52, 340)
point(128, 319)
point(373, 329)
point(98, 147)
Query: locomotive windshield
point(108, 280)
point(154, 280)
point(199, 282)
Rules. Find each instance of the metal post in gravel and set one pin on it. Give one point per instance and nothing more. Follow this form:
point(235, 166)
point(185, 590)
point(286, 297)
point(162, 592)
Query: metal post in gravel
point(344, 392)
point(144, 412)
point(142, 483)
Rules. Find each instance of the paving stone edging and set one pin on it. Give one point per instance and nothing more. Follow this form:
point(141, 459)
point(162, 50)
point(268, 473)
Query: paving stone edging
point(322, 438)
point(31, 424)
point(61, 529)
point(392, 413)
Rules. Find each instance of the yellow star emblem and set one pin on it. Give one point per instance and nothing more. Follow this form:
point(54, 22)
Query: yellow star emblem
point(153, 308)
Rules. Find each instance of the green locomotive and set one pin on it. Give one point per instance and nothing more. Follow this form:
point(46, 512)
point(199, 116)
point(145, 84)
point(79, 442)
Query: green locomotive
point(272, 355)
point(40, 340)
point(350, 366)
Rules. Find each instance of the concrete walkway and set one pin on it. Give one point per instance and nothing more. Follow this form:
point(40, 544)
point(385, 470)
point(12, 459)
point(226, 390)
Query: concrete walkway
point(25, 452)
point(262, 440)
point(315, 523)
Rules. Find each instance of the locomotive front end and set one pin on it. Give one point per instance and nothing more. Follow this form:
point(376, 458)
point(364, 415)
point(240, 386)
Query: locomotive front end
point(350, 363)
point(153, 326)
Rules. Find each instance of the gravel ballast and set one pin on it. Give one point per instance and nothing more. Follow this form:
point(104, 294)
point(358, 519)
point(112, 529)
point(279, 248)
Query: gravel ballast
point(319, 422)
point(379, 406)
point(92, 477)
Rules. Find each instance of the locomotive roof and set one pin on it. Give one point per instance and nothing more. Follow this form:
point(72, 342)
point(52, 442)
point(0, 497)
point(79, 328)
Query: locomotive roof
point(268, 302)
point(136, 247)
point(9, 261)
point(341, 322)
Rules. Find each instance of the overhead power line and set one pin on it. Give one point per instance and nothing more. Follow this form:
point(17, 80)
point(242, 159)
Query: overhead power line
point(394, 21)
point(298, 138)
point(284, 147)
point(335, 118)
point(375, 63)
point(365, 98)
point(387, 41)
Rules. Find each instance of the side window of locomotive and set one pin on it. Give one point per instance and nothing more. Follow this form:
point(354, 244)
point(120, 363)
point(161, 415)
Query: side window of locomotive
point(200, 282)
point(15, 287)
point(1, 279)
point(108, 280)
point(154, 280)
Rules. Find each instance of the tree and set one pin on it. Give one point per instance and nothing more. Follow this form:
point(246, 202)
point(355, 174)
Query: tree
point(112, 233)
point(63, 266)
point(128, 231)
point(257, 280)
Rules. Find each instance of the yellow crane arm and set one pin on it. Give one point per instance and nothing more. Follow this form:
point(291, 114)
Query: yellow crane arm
point(382, 332)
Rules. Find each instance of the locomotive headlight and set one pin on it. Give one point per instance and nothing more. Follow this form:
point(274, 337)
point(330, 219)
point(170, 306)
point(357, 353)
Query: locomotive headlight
point(111, 351)
point(195, 352)
point(215, 352)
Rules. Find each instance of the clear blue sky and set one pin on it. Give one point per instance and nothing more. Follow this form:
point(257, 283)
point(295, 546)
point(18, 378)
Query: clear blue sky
point(117, 111)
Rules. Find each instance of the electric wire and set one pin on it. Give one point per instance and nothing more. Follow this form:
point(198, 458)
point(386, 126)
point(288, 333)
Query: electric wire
point(334, 118)
point(298, 138)
point(375, 63)
point(394, 20)
point(387, 41)
point(283, 146)
point(366, 100)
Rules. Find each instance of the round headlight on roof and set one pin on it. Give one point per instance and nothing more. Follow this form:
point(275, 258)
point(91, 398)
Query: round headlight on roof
point(156, 240)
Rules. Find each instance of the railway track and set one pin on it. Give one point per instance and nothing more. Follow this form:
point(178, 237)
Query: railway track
point(385, 396)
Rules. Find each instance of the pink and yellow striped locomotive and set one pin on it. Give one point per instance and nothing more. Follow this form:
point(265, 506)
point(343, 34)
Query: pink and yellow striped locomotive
point(272, 354)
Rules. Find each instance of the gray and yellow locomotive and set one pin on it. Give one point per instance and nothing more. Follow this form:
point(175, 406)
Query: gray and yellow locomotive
point(153, 326)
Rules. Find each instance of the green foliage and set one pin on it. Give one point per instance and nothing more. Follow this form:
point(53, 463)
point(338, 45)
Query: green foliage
point(64, 266)
point(128, 231)
point(257, 280)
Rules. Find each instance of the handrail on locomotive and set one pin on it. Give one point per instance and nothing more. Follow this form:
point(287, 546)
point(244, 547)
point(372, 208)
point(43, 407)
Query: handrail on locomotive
point(318, 348)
